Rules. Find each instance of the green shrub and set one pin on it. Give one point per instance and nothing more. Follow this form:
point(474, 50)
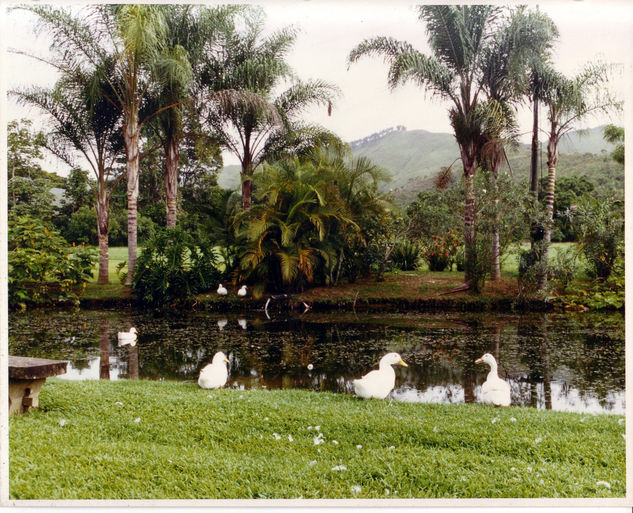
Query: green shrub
point(42, 267)
point(441, 252)
point(174, 265)
point(405, 255)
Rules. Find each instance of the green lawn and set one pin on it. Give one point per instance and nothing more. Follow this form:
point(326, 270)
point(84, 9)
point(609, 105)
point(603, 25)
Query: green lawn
point(159, 440)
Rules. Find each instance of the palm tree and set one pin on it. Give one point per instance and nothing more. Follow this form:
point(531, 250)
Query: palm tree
point(254, 132)
point(84, 122)
point(568, 101)
point(522, 41)
point(458, 36)
point(132, 37)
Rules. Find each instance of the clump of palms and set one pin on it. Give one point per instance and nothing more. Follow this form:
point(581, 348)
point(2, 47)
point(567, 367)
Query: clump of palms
point(307, 210)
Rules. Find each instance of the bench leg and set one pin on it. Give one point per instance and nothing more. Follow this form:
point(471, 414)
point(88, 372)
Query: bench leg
point(24, 394)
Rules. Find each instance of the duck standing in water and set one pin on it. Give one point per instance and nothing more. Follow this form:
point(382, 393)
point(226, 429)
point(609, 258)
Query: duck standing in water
point(494, 390)
point(216, 373)
point(378, 383)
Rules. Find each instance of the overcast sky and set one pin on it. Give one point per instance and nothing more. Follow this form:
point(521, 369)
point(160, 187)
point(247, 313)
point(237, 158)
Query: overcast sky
point(589, 30)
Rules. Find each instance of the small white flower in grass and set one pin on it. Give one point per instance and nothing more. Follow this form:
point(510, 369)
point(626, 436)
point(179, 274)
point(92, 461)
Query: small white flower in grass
point(339, 467)
point(541, 482)
point(387, 492)
point(309, 428)
point(603, 483)
point(62, 422)
point(538, 440)
point(512, 419)
point(513, 468)
point(620, 421)
point(119, 403)
point(318, 428)
point(334, 442)
point(392, 447)
point(265, 418)
point(137, 419)
point(356, 489)
point(318, 440)
point(312, 463)
point(241, 397)
point(434, 429)
point(623, 436)
point(359, 446)
point(290, 439)
point(495, 420)
point(529, 469)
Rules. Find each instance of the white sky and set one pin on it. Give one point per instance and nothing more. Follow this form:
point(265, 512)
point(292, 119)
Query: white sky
point(589, 30)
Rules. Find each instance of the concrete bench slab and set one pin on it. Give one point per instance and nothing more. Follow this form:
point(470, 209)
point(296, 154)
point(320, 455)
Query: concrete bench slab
point(26, 377)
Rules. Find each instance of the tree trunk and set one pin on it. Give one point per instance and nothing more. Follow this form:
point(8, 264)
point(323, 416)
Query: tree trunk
point(247, 184)
point(534, 172)
point(552, 158)
point(171, 181)
point(131, 139)
point(103, 220)
point(470, 255)
point(495, 265)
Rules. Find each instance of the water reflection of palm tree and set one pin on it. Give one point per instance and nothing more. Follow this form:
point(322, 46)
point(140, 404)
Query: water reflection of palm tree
point(133, 361)
point(104, 346)
point(535, 354)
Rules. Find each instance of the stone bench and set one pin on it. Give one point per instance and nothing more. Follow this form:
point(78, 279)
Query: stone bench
point(26, 377)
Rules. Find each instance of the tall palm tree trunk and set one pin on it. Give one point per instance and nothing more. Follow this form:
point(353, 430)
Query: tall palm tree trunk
point(552, 158)
point(171, 181)
point(103, 219)
point(247, 184)
point(470, 251)
point(131, 139)
point(495, 265)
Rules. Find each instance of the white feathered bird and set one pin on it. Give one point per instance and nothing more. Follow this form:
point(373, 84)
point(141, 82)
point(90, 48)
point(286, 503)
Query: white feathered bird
point(127, 337)
point(378, 383)
point(242, 291)
point(222, 290)
point(216, 373)
point(494, 390)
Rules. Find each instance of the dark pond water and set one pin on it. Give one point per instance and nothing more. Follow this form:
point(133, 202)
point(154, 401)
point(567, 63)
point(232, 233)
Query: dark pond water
point(560, 362)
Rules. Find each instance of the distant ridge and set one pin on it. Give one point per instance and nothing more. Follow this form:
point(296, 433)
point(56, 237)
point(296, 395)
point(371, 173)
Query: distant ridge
point(413, 157)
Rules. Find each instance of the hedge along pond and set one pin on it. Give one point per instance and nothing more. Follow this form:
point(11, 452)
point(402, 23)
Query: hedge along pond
point(568, 362)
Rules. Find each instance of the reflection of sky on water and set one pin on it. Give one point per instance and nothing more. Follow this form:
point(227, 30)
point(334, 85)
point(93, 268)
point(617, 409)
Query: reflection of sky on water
point(564, 398)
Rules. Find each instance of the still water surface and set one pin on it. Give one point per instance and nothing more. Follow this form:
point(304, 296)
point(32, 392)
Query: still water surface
point(553, 361)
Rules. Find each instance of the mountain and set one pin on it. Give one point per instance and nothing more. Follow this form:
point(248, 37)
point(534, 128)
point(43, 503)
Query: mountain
point(413, 157)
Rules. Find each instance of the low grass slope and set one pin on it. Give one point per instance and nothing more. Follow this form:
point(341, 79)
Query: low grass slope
point(173, 440)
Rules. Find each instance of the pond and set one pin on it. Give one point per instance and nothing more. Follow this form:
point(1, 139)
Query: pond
point(571, 362)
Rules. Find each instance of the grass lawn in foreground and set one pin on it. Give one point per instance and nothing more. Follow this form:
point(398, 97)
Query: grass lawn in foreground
point(172, 440)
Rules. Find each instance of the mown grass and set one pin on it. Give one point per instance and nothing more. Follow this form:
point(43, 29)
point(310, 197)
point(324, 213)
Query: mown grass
point(160, 440)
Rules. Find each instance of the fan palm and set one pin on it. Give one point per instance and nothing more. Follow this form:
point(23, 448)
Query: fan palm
point(252, 132)
point(458, 36)
point(84, 122)
point(568, 101)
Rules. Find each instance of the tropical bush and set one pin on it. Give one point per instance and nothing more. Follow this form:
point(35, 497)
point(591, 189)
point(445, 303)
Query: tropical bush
point(405, 255)
point(599, 225)
point(175, 265)
point(42, 266)
point(440, 251)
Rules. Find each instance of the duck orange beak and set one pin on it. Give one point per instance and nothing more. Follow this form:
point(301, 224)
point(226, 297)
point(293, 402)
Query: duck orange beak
point(227, 360)
point(401, 362)
point(479, 360)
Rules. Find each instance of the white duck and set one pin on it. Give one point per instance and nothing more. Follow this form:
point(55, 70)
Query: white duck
point(242, 291)
point(494, 390)
point(127, 337)
point(216, 373)
point(378, 383)
point(222, 290)
point(243, 323)
point(222, 323)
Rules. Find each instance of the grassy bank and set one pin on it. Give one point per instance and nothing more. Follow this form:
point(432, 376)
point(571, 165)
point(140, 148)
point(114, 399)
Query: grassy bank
point(141, 439)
